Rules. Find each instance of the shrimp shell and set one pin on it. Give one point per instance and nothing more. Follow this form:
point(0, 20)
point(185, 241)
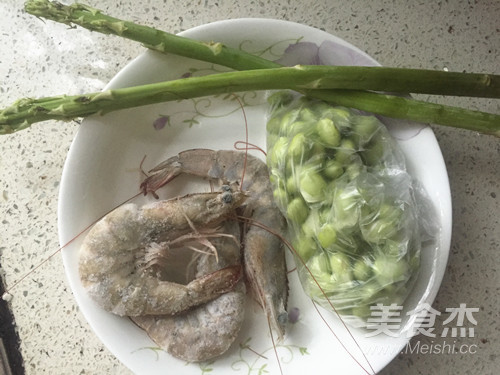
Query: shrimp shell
point(112, 252)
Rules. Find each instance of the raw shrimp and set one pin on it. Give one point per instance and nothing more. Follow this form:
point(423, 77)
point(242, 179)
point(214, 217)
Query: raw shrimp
point(264, 254)
point(117, 255)
point(208, 330)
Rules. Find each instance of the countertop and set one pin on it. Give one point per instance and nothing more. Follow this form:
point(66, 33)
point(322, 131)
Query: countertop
point(43, 58)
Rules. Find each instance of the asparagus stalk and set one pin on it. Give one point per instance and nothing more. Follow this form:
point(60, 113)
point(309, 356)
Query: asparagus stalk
point(418, 81)
point(93, 19)
point(27, 111)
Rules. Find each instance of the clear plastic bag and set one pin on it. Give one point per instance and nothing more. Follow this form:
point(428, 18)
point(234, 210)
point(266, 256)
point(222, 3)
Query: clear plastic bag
point(351, 207)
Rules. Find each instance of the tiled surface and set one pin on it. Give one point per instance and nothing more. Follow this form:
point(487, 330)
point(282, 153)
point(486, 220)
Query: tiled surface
point(44, 58)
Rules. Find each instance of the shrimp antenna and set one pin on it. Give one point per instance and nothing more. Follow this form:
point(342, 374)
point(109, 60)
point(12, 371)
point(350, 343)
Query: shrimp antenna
point(40, 264)
point(246, 138)
point(248, 146)
point(292, 249)
point(274, 345)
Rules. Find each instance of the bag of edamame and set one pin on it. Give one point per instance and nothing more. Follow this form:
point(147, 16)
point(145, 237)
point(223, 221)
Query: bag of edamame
point(341, 181)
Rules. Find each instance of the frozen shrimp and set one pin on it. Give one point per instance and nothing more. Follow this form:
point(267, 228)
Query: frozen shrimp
point(264, 254)
point(208, 330)
point(118, 255)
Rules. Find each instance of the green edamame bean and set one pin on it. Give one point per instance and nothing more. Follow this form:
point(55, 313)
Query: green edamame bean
point(328, 133)
point(297, 210)
point(312, 186)
point(333, 169)
point(361, 270)
point(327, 235)
point(305, 247)
point(299, 147)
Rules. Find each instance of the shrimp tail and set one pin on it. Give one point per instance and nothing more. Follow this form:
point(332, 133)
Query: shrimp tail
point(215, 283)
point(161, 175)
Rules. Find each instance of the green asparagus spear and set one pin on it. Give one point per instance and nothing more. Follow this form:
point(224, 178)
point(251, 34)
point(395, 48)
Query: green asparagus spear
point(27, 111)
point(402, 80)
point(95, 20)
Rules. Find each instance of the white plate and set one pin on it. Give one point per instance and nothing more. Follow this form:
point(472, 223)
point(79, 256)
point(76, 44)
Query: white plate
point(102, 170)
